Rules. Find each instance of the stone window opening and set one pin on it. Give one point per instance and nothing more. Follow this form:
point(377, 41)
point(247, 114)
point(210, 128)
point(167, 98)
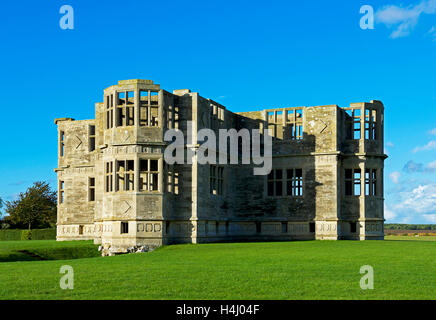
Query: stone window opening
point(169, 179)
point(312, 227)
point(143, 108)
point(296, 132)
point(217, 229)
point(80, 229)
point(148, 175)
point(352, 182)
point(125, 175)
point(216, 116)
point(220, 114)
point(370, 124)
point(258, 227)
point(216, 179)
point(294, 182)
point(148, 108)
point(172, 180)
point(61, 191)
point(353, 124)
point(125, 109)
point(275, 183)
point(293, 124)
point(62, 143)
point(279, 180)
point(91, 133)
point(124, 228)
point(109, 111)
point(91, 188)
point(274, 124)
point(284, 227)
point(371, 182)
point(109, 176)
point(285, 124)
point(353, 227)
point(121, 98)
point(373, 125)
point(173, 117)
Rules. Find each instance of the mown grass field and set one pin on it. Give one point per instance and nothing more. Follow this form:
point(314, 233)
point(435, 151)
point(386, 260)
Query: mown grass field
point(280, 270)
point(37, 250)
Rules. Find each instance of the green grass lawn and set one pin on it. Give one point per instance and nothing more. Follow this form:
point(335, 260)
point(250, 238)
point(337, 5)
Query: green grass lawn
point(37, 250)
point(279, 270)
point(421, 238)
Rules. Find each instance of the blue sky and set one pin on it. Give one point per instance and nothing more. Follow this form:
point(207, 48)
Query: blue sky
point(245, 54)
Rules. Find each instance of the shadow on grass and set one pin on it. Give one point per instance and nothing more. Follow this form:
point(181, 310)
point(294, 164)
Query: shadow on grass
point(43, 254)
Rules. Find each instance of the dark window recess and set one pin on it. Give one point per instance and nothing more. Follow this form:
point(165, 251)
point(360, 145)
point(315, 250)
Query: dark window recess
point(352, 182)
point(167, 227)
point(80, 229)
point(348, 182)
point(284, 227)
point(148, 175)
point(312, 227)
point(62, 143)
point(353, 227)
point(109, 111)
point(125, 109)
point(275, 183)
point(258, 227)
point(91, 138)
point(91, 189)
point(371, 182)
point(287, 182)
point(294, 182)
point(109, 176)
point(61, 191)
point(124, 227)
point(125, 176)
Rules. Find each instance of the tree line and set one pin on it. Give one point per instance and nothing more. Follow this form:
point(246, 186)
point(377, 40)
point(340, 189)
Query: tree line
point(404, 226)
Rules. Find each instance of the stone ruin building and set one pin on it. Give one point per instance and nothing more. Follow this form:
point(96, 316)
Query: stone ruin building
point(115, 188)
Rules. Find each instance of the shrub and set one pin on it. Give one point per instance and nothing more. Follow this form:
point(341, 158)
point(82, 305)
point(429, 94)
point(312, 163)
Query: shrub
point(26, 235)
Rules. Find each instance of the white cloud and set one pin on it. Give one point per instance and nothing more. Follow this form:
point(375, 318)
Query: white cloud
point(390, 144)
point(411, 167)
point(389, 215)
point(432, 34)
point(395, 176)
point(406, 219)
point(421, 199)
point(429, 146)
point(404, 18)
point(431, 167)
point(430, 217)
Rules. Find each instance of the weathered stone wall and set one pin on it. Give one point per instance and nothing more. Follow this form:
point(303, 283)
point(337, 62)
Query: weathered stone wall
point(75, 211)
